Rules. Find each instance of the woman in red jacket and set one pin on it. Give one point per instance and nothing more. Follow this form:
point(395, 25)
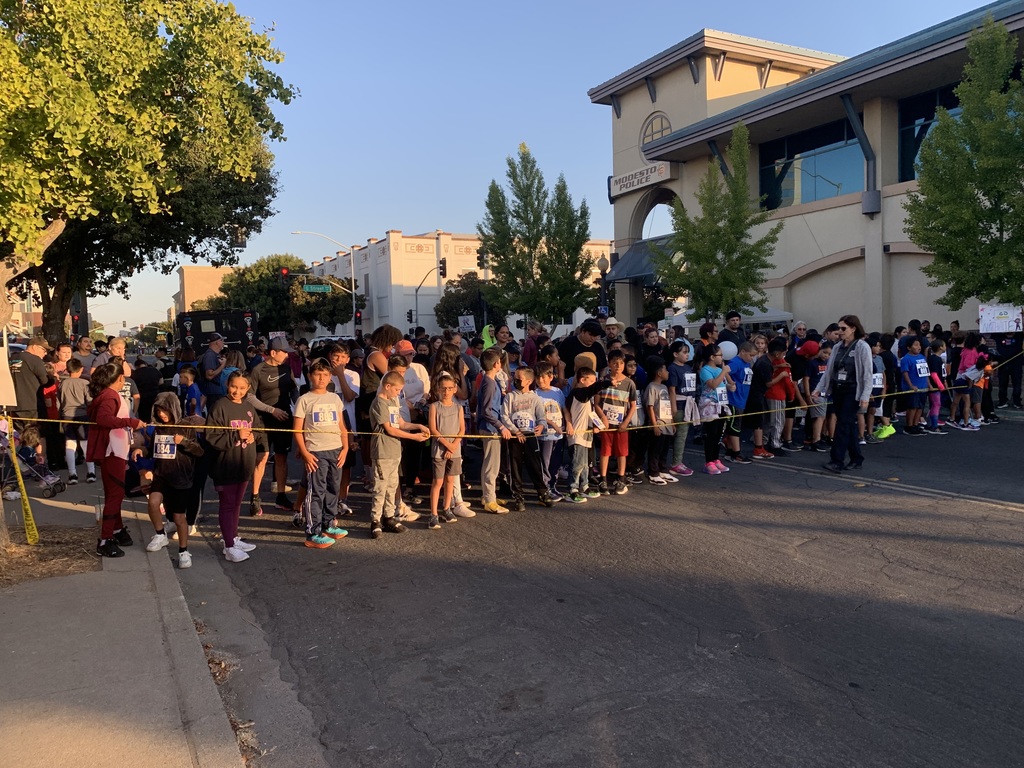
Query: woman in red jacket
point(110, 440)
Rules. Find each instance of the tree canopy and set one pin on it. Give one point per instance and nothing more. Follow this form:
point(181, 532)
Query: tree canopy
point(104, 101)
point(712, 259)
point(535, 244)
point(969, 207)
point(463, 296)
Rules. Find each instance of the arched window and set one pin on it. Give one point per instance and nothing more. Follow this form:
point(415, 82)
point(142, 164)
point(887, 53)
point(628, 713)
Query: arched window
point(657, 125)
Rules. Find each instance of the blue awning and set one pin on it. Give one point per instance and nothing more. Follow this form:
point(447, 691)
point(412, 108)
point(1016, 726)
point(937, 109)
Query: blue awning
point(635, 265)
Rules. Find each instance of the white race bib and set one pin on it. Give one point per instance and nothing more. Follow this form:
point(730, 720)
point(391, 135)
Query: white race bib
point(395, 416)
point(748, 376)
point(877, 380)
point(723, 395)
point(324, 416)
point(615, 413)
point(922, 368)
point(664, 410)
point(690, 379)
point(524, 421)
point(164, 447)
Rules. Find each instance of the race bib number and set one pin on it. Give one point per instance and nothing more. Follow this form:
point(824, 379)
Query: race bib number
point(325, 416)
point(877, 380)
point(664, 410)
point(723, 395)
point(395, 416)
point(841, 376)
point(690, 380)
point(615, 413)
point(748, 376)
point(524, 421)
point(922, 368)
point(164, 447)
point(595, 421)
point(553, 413)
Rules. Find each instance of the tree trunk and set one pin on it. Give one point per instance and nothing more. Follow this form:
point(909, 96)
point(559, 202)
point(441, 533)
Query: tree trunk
point(14, 265)
point(56, 302)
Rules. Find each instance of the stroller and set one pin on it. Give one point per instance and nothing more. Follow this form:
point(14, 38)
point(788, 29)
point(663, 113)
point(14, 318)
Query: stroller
point(25, 450)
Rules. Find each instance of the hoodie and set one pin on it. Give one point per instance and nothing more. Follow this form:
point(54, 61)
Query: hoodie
point(174, 462)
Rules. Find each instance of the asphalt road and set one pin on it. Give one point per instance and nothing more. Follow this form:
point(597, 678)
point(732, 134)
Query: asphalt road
point(777, 615)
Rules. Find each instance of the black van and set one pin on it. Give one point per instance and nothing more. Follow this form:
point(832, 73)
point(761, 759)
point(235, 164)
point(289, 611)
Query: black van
point(240, 328)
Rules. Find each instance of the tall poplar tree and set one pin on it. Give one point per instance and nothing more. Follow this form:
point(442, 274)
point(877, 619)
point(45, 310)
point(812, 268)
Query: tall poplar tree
point(969, 207)
point(713, 259)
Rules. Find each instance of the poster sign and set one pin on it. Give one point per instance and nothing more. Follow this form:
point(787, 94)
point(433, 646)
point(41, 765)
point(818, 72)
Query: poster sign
point(1000, 318)
point(467, 324)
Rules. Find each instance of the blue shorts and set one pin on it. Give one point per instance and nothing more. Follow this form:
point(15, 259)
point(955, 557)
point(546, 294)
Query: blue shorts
point(916, 401)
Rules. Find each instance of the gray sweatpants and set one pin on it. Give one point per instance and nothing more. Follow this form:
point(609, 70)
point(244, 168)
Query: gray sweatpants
point(773, 422)
point(490, 469)
point(385, 488)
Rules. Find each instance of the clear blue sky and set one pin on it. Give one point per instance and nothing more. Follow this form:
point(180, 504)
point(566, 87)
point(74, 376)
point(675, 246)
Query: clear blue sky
point(409, 109)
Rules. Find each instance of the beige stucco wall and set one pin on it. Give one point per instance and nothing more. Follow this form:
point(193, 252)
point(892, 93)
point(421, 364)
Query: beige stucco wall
point(198, 282)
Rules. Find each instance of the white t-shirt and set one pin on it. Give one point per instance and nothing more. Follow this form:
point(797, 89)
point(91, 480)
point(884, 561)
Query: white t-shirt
point(417, 384)
point(352, 377)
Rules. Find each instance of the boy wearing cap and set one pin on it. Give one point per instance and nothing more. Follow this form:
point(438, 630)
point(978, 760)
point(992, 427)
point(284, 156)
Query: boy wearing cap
point(271, 394)
point(29, 374)
point(210, 366)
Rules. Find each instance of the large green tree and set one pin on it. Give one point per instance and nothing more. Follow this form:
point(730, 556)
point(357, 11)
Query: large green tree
point(535, 244)
point(969, 207)
point(463, 296)
point(101, 97)
point(713, 257)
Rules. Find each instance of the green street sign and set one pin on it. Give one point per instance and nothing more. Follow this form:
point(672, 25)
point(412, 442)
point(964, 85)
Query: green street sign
point(316, 288)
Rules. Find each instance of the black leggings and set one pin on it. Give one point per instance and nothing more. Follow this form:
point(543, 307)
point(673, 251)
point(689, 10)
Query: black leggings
point(713, 431)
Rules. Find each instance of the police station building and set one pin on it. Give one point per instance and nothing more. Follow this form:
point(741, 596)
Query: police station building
point(833, 146)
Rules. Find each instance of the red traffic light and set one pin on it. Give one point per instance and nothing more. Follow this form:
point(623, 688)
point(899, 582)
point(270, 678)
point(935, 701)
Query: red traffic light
point(284, 271)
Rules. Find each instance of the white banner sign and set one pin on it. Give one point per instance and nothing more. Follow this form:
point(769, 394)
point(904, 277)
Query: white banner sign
point(1000, 318)
point(467, 324)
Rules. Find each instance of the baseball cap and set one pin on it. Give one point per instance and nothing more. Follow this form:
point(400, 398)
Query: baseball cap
point(214, 337)
point(592, 327)
point(809, 349)
point(39, 341)
point(512, 348)
point(358, 353)
point(280, 344)
point(405, 347)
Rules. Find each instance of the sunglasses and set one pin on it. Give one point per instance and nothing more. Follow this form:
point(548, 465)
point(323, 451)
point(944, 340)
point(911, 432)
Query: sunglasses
point(844, 327)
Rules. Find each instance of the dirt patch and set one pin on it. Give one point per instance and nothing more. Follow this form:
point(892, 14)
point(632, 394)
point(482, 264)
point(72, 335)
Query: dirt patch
point(61, 552)
point(221, 668)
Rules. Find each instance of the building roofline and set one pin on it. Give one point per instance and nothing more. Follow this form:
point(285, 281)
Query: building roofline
point(921, 47)
point(710, 40)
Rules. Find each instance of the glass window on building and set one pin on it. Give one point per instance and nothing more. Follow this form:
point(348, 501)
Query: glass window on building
point(917, 117)
point(818, 164)
point(656, 126)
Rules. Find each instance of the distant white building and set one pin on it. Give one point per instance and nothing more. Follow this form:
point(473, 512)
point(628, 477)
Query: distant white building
point(399, 274)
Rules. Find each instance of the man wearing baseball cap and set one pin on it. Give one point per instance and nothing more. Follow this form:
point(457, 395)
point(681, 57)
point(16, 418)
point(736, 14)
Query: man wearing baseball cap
point(210, 366)
point(29, 375)
point(273, 386)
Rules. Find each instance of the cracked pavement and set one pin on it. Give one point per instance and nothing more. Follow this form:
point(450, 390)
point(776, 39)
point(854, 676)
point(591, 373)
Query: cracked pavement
point(773, 616)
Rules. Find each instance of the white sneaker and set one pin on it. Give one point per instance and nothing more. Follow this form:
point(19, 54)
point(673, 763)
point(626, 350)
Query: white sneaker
point(668, 477)
point(184, 560)
point(233, 555)
point(658, 480)
point(242, 545)
point(463, 510)
point(406, 515)
point(344, 509)
point(193, 530)
point(158, 542)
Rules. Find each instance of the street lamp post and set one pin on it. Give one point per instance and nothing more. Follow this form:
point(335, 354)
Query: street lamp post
point(602, 264)
point(352, 263)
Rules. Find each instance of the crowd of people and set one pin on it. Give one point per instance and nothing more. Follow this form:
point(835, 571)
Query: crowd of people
point(604, 409)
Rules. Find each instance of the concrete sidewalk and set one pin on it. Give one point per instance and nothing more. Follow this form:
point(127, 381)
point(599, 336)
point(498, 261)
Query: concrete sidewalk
point(106, 668)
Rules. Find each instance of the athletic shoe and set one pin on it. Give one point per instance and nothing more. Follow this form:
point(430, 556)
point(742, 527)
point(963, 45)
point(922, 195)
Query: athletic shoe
point(775, 450)
point(575, 497)
point(184, 560)
point(668, 477)
point(448, 516)
point(344, 509)
point(1003, 405)
point(872, 440)
point(711, 469)
point(517, 505)
point(255, 507)
point(971, 428)
point(636, 479)
point(619, 487)
point(123, 538)
point(658, 480)
point(317, 542)
point(109, 548)
point(591, 494)
point(434, 523)
point(375, 530)
point(974, 423)
point(545, 499)
point(914, 431)
point(760, 452)
point(603, 488)
point(412, 498)
point(287, 487)
point(555, 495)
point(406, 514)
point(721, 466)
point(789, 445)
point(72, 479)
point(334, 532)
point(297, 521)
point(193, 530)
point(282, 502)
point(727, 457)
point(392, 525)
point(953, 424)
point(990, 420)
point(463, 510)
point(233, 555)
point(682, 470)
point(495, 508)
point(833, 467)
point(158, 542)
point(243, 545)
point(739, 458)
point(90, 478)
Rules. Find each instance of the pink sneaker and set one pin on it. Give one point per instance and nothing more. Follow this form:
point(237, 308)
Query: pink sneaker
point(721, 466)
point(682, 470)
point(711, 469)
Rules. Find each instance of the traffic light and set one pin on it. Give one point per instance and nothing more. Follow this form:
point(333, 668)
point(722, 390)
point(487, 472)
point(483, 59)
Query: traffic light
point(359, 317)
point(282, 275)
point(442, 268)
point(481, 258)
point(408, 316)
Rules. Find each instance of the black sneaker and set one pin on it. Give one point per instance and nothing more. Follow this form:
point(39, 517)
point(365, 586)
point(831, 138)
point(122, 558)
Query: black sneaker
point(619, 488)
point(411, 498)
point(448, 516)
point(789, 445)
point(545, 499)
point(72, 479)
point(636, 479)
point(91, 477)
point(282, 502)
point(391, 525)
point(375, 530)
point(739, 458)
point(123, 538)
point(255, 508)
point(517, 505)
point(603, 488)
point(434, 523)
point(109, 548)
